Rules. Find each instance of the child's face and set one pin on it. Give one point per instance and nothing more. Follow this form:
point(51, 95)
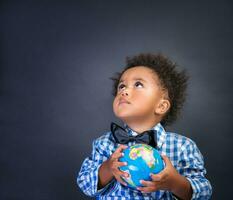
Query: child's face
point(139, 95)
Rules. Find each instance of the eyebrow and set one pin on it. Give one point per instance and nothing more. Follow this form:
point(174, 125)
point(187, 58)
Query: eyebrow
point(135, 79)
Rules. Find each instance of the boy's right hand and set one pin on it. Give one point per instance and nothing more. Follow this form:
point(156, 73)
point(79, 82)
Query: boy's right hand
point(114, 164)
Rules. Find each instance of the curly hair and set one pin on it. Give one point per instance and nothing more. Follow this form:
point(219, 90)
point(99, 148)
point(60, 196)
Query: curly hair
point(171, 80)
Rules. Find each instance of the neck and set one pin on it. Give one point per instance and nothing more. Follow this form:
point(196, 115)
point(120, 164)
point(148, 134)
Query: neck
point(140, 127)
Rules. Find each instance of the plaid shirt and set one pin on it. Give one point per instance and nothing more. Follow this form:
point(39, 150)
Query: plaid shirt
point(182, 152)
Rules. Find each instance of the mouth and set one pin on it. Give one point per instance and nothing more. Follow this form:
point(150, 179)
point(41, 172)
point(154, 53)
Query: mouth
point(123, 101)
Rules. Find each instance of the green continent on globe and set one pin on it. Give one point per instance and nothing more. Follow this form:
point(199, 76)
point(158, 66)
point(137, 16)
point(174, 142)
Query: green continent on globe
point(144, 151)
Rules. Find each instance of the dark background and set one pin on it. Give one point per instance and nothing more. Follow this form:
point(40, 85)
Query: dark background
point(55, 91)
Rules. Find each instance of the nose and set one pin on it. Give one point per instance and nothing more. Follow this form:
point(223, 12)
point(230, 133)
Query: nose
point(124, 93)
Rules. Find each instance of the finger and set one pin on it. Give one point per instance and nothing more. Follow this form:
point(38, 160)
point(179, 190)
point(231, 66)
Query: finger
point(120, 164)
point(119, 179)
point(147, 189)
point(157, 177)
point(117, 166)
point(166, 160)
point(121, 148)
point(117, 172)
point(147, 183)
point(116, 155)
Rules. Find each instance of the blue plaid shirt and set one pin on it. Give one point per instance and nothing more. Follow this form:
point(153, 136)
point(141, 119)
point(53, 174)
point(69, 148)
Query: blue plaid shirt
point(182, 152)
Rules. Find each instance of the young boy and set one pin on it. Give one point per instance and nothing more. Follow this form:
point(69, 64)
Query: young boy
point(149, 94)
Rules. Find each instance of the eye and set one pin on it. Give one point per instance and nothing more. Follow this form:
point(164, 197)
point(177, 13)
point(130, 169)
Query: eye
point(138, 84)
point(121, 86)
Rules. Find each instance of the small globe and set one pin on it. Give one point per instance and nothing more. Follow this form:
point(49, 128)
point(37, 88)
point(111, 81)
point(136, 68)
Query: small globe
point(142, 160)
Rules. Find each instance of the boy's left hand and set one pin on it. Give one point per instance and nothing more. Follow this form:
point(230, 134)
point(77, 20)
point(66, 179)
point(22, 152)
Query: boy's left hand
point(164, 180)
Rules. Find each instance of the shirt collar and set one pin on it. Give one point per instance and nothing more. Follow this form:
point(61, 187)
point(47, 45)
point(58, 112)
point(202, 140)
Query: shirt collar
point(161, 133)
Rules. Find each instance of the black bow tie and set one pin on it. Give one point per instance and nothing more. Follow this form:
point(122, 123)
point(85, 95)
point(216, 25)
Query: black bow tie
point(122, 137)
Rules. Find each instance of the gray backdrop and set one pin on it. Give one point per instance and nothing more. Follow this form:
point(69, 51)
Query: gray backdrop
point(55, 91)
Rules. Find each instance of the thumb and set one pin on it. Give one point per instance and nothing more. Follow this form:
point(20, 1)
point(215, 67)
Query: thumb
point(166, 160)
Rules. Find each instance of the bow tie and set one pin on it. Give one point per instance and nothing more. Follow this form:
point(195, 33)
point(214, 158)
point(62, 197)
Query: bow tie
point(121, 136)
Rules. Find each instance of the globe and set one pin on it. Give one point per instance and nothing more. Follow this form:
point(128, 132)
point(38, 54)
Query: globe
point(142, 160)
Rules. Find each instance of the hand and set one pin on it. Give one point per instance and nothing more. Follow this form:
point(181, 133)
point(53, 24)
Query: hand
point(164, 180)
point(114, 164)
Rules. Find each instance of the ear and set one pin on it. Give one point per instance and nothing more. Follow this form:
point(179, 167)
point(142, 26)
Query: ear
point(162, 107)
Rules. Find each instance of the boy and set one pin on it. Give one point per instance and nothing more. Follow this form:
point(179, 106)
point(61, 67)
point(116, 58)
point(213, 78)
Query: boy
point(149, 94)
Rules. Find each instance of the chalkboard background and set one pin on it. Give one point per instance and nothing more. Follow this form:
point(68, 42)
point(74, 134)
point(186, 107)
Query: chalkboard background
point(55, 91)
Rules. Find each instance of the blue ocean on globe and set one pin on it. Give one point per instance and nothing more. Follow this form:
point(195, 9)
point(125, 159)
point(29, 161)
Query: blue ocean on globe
point(141, 160)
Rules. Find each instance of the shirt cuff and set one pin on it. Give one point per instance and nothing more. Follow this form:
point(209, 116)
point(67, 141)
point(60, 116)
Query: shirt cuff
point(174, 197)
point(194, 188)
point(192, 183)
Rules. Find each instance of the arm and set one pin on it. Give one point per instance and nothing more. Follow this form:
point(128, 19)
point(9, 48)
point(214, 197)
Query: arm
point(101, 168)
point(110, 169)
point(88, 175)
point(168, 179)
point(186, 183)
point(191, 166)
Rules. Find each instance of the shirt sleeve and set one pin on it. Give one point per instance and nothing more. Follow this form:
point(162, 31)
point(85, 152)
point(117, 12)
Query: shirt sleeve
point(191, 165)
point(88, 176)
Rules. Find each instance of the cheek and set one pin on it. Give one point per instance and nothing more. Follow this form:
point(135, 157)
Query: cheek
point(114, 103)
point(146, 99)
point(143, 96)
